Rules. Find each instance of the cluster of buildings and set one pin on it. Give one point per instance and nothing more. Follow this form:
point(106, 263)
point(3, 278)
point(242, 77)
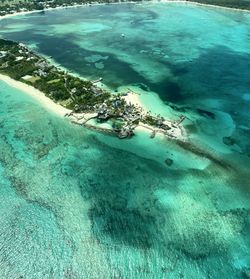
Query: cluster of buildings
point(25, 6)
point(84, 96)
point(130, 116)
point(117, 108)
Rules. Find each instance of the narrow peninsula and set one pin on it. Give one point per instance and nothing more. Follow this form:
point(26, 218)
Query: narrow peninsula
point(84, 100)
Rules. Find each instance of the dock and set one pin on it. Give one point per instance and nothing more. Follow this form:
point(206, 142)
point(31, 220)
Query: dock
point(153, 134)
point(182, 118)
point(96, 128)
point(97, 80)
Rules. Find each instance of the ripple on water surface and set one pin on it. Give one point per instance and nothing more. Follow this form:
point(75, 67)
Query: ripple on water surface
point(76, 204)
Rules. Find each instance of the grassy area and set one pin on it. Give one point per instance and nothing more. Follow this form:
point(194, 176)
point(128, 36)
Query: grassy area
point(53, 81)
point(33, 79)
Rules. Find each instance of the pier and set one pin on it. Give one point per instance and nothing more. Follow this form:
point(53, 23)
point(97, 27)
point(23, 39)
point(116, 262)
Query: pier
point(182, 118)
point(153, 134)
point(97, 80)
point(96, 128)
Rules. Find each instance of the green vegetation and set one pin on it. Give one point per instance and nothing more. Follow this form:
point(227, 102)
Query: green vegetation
point(72, 92)
point(23, 65)
point(150, 120)
point(238, 4)
point(12, 6)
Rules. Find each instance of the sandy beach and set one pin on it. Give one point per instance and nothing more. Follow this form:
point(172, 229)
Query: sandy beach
point(63, 7)
point(146, 2)
point(131, 97)
point(134, 99)
point(49, 104)
point(175, 131)
point(36, 94)
point(18, 13)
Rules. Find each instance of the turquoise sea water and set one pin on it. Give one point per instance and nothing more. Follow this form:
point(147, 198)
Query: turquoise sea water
point(77, 204)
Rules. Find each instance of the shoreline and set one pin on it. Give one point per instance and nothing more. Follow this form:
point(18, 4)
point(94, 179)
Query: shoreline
point(36, 95)
point(131, 96)
point(82, 118)
point(127, 2)
point(70, 7)
point(214, 6)
point(200, 4)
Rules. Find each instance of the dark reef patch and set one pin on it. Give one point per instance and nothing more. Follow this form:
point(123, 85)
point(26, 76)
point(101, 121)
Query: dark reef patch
point(206, 154)
point(206, 113)
point(228, 141)
point(136, 204)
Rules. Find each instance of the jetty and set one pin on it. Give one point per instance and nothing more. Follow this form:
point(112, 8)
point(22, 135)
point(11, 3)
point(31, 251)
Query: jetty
point(86, 100)
point(97, 80)
point(153, 134)
point(182, 118)
point(96, 128)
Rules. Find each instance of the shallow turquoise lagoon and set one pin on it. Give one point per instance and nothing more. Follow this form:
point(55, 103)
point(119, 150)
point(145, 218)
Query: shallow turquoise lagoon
point(183, 59)
point(77, 204)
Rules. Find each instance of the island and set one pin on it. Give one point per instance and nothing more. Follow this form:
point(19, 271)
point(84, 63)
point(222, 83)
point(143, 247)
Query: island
point(9, 7)
point(84, 100)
